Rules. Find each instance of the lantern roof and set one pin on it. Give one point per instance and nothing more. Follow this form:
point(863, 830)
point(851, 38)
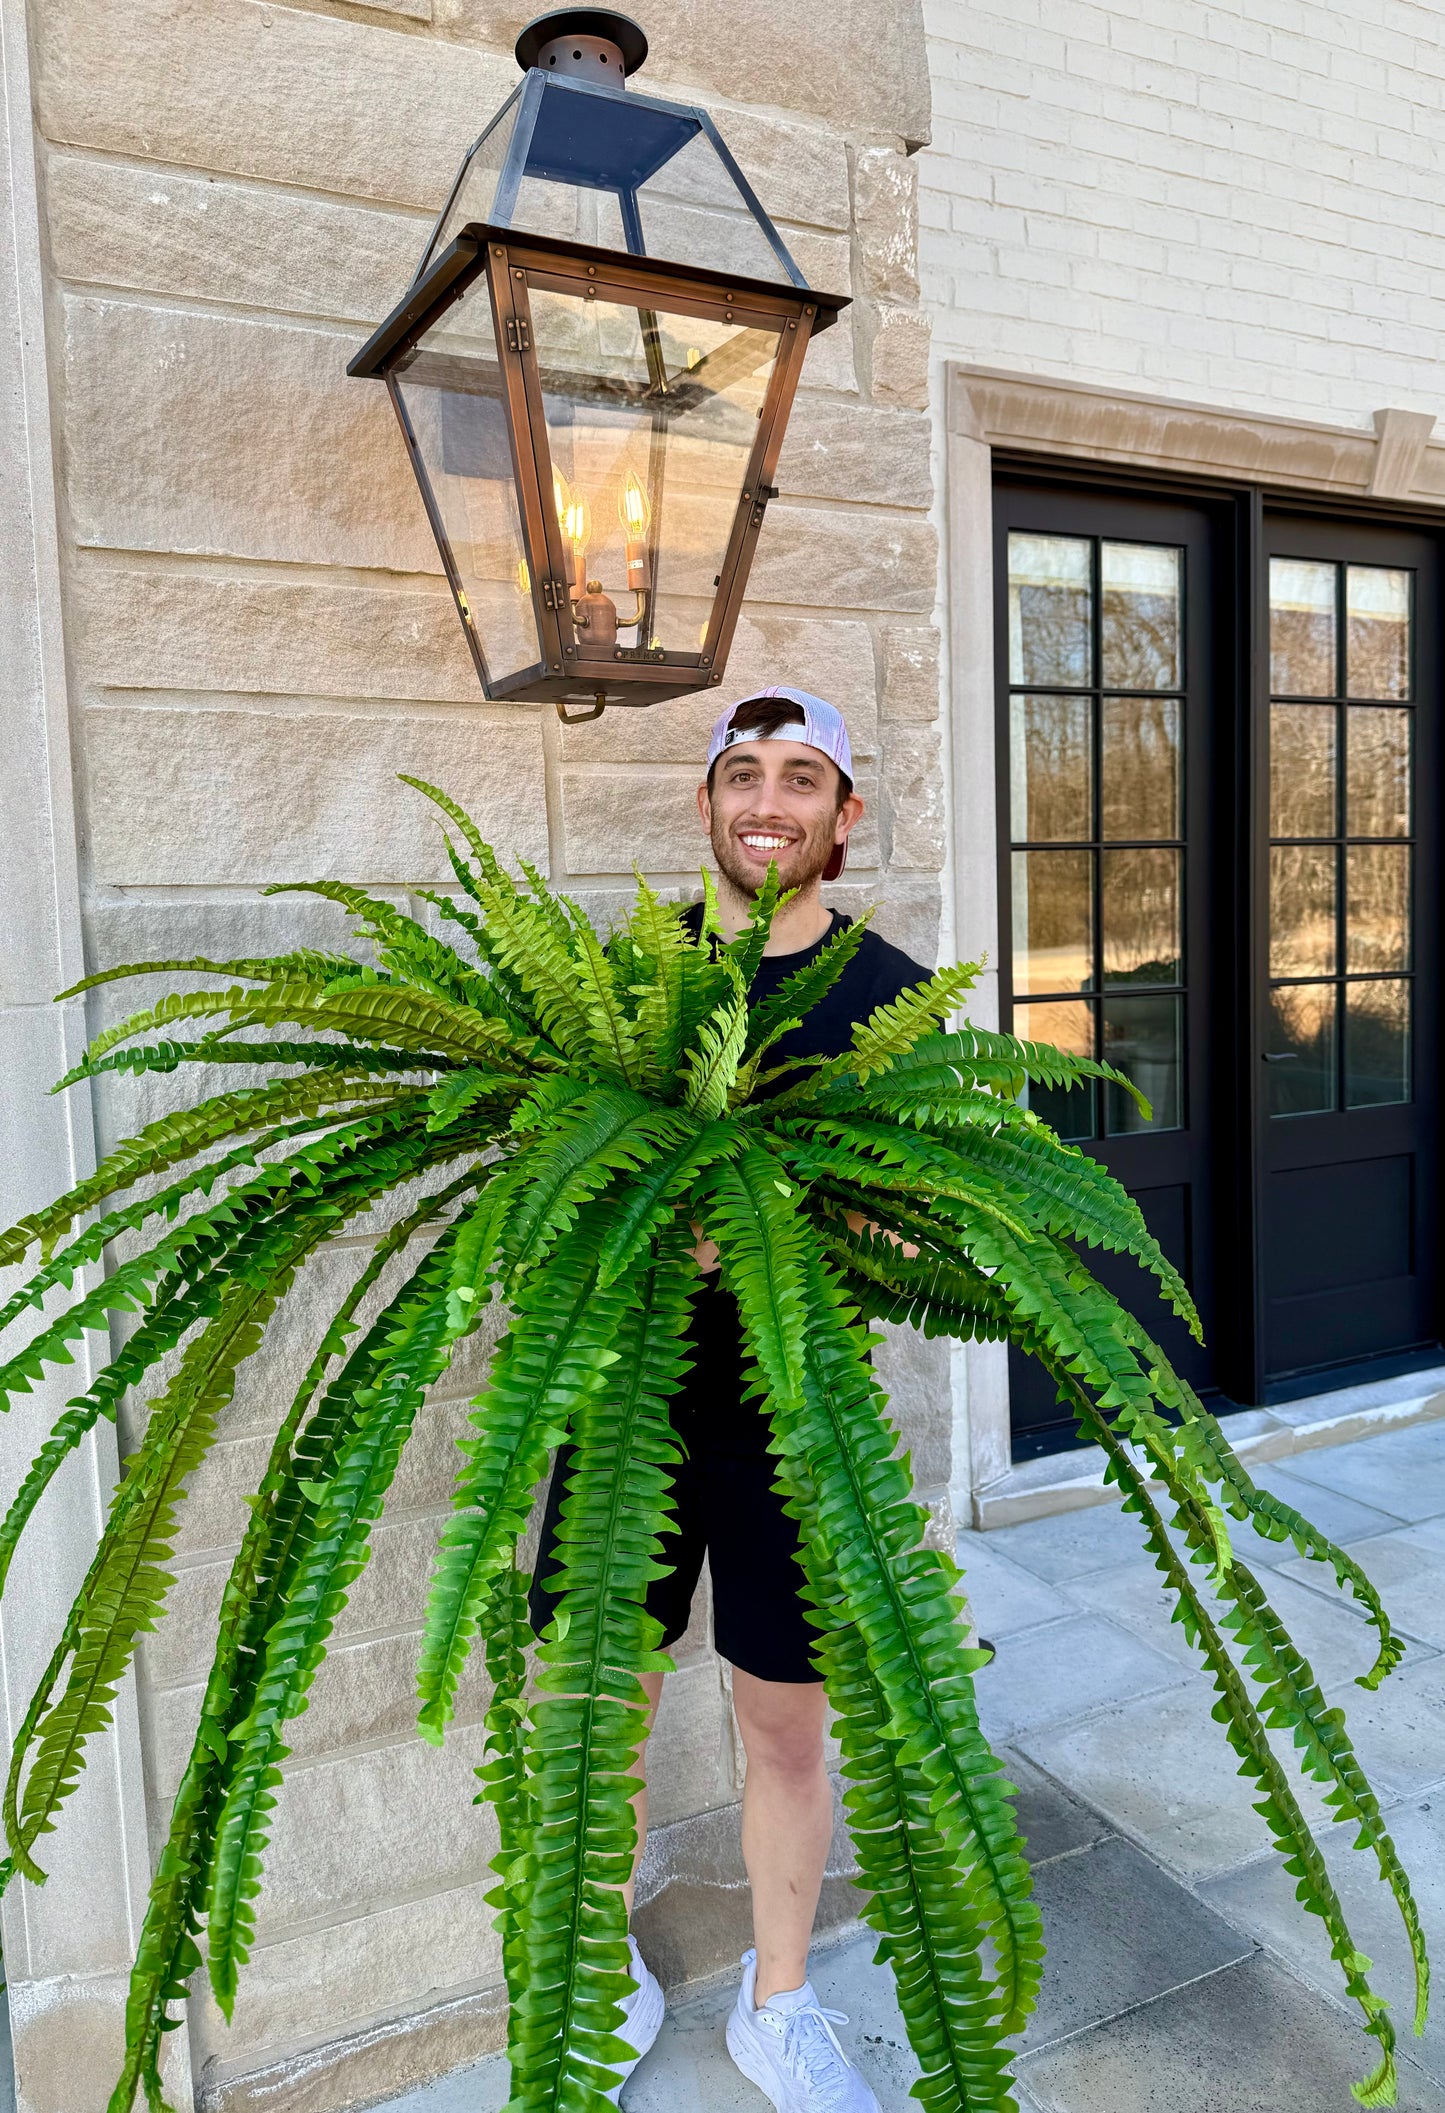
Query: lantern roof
point(574, 153)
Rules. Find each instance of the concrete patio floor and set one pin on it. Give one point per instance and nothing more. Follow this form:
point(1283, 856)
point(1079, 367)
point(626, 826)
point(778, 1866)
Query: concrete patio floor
point(1182, 1977)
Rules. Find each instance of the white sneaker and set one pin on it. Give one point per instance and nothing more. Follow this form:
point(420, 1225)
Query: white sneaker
point(641, 2015)
point(788, 2048)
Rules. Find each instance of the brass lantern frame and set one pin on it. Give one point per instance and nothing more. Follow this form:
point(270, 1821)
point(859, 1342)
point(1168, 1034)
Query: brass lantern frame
point(510, 265)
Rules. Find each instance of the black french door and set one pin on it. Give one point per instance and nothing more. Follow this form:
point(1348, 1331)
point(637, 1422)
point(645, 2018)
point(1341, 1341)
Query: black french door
point(1107, 643)
point(1218, 782)
point(1349, 946)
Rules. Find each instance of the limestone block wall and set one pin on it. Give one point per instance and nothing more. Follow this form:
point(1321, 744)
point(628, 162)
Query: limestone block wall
point(256, 638)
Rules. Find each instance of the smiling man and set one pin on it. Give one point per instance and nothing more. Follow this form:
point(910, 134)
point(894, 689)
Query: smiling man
point(779, 791)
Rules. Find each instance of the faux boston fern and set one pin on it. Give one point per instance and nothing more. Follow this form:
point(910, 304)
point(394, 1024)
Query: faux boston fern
point(559, 1117)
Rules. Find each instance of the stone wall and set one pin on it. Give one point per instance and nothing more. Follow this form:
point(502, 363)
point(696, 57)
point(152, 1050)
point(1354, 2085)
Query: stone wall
point(257, 638)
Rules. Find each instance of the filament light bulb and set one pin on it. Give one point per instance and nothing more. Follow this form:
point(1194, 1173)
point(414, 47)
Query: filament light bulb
point(634, 509)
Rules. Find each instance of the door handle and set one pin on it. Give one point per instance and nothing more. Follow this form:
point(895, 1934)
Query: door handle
point(1280, 1056)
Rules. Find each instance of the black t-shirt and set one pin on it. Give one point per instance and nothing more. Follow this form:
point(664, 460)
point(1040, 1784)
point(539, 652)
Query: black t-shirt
point(877, 974)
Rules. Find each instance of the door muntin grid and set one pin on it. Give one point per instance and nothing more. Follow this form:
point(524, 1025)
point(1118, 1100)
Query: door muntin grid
point(1342, 844)
point(1096, 658)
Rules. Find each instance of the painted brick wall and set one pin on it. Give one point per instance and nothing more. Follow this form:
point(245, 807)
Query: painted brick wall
point(258, 638)
point(1232, 204)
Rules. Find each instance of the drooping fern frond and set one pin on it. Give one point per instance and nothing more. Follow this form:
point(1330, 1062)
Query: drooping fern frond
point(559, 1118)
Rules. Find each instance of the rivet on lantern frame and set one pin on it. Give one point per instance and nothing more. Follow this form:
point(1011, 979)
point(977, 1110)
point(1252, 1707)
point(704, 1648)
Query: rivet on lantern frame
point(595, 441)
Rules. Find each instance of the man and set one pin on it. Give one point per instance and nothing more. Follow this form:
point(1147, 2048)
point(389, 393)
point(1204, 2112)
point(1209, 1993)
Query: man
point(779, 791)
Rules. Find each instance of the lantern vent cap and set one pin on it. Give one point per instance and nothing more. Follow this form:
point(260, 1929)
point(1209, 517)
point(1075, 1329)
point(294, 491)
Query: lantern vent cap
point(582, 41)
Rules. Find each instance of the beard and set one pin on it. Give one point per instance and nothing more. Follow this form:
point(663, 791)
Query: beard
point(798, 867)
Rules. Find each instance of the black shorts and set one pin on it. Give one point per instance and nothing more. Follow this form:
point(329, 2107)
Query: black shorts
point(727, 1509)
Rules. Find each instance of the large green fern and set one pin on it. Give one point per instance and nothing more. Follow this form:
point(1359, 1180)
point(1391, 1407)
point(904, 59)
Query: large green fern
point(561, 1113)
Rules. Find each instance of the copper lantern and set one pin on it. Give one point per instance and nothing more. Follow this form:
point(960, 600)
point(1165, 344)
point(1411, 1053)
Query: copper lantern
point(593, 369)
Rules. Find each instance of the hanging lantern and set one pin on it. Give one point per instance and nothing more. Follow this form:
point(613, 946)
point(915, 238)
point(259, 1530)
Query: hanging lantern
point(593, 369)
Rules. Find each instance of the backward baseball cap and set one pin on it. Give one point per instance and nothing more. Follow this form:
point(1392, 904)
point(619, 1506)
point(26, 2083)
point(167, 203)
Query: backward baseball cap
point(821, 727)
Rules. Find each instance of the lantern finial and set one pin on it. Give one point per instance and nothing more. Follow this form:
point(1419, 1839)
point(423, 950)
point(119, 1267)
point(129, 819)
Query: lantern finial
point(591, 43)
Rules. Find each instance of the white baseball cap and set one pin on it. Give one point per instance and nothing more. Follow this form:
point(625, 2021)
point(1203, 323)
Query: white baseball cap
point(821, 726)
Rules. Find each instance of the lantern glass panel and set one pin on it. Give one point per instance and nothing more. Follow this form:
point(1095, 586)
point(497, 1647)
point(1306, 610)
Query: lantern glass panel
point(450, 389)
point(691, 211)
point(651, 417)
point(477, 192)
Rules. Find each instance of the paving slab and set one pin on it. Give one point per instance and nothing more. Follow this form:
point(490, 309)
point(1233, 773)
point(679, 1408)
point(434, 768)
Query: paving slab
point(1002, 1596)
point(1398, 1731)
point(1401, 1472)
point(1065, 1669)
point(1246, 2040)
point(1261, 1902)
point(1118, 1932)
point(1162, 1772)
point(1071, 1542)
point(1407, 1569)
point(1051, 1822)
point(1343, 1518)
point(1327, 1624)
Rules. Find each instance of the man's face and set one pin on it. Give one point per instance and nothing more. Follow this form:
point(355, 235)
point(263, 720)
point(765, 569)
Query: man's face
point(775, 803)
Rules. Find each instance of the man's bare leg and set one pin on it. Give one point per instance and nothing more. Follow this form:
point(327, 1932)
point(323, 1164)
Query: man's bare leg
point(653, 1684)
point(787, 1821)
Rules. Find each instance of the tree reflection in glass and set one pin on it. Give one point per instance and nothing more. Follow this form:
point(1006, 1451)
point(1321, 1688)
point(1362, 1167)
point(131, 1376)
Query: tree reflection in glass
point(1302, 769)
point(1377, 771)
point(1050, 769)
point(1139, 767)
point(1050, 610)
point(1377, 631)
point(1377, 1043)
point(1302, 938)
point(1053, 922)
point(1140, 901)
point(1301, 1049)
point(1301, 628)
point(1377, 908)
point(1139, 627)
point(1068, 1026)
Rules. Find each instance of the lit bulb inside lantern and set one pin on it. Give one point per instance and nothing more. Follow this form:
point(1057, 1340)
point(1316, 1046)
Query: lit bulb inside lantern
point(575, 519)
point(524, 577)
point(634, 511)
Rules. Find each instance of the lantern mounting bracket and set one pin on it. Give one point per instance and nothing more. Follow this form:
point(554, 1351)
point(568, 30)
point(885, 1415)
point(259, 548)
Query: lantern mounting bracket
point(595, 711)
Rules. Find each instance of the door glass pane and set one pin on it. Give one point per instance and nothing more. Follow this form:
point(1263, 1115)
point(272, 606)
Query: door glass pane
point(1301, 628)
point(1302, 769)
point(1377, 907)
point(1050, 769)
point(1377, 633)
point(1069, 1111)
point(1050, 610)
point(1143, 1039)
point(1140, 738)
point(1139, 630)
point(1141, 917)
point(1302, 910)
point(1300, 1047)
point(1377, 1043)
point(1053, 920)
point(1377, 766)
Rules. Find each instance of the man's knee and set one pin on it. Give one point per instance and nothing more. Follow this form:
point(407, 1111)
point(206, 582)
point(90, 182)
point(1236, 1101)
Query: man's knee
point(781, 1725)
